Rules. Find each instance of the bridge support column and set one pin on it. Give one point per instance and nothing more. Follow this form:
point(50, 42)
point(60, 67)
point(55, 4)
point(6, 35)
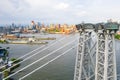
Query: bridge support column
point(105, 57)
point(84, 68)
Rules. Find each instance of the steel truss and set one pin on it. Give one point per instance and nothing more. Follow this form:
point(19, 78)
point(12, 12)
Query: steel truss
point(84, 68)
point(105, 57)
point(96, 61)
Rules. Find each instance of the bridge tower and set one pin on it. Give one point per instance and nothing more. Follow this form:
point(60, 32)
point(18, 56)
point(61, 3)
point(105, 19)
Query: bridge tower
point(96, 61)
point(105, 55)
point(84, 67)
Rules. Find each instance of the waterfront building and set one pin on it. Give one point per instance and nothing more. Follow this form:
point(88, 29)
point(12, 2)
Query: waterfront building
point(10, 36)
point(118, 32)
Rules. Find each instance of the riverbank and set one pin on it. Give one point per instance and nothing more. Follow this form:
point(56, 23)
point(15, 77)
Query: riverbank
point(117, 36)
point(27, 40)
point(10, 67)
point(3, 41)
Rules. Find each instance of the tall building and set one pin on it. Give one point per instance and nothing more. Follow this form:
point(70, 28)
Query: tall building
point(32, 25)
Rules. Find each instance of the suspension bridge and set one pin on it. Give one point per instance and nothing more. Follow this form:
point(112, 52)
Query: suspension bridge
point(95, 58)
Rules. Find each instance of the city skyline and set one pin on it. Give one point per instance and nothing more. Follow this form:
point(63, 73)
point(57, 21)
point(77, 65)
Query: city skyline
point(58, 11)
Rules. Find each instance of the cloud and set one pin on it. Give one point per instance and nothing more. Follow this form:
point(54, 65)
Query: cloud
point(81, 13)
point(6, 6)
point(58, 10)
point(79, 6)
point(62, 6)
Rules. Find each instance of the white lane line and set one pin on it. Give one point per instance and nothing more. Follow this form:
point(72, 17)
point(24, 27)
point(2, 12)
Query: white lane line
point(46, 63)
point(38, 60)
point(33, 55)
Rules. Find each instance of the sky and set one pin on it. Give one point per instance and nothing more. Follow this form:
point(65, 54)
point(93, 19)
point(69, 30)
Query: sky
point(58, 11)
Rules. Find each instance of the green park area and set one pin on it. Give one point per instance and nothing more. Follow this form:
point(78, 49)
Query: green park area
point(117, 36)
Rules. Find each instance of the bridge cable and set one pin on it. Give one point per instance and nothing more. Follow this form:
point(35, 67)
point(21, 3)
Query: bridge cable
point(38, 60)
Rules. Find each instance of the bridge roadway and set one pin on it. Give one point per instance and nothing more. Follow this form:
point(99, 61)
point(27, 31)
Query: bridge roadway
point(43, 52)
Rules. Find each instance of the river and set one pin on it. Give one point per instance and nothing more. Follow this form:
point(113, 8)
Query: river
point(60, 69)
